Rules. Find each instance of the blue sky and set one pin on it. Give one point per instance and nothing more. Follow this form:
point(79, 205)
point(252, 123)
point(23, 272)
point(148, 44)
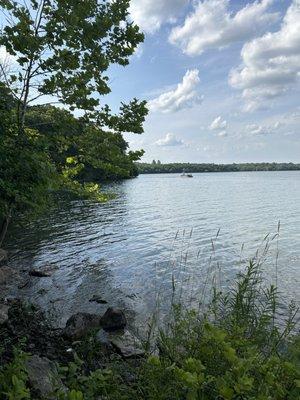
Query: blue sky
point(221, 77)
point(240, 98)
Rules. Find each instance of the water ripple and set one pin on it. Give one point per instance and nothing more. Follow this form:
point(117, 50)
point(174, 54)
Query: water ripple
point(159, 228)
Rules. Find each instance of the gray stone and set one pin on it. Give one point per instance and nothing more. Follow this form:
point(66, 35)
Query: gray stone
point(103, 337)
point(39, 273)
point(98, 299)
point(3, 313)
point(128, 345)
point(43, 377)
point(113, 319)
point(7, 274)
point(3, 256)
point(80, 324)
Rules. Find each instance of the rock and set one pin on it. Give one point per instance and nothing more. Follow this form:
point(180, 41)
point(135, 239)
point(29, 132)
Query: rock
point(113, 319)
point(43, 377)
point(24, 284)
point(10, 300)
point(127, 344)
point(39, 273)
point(80, 324)
point(3, 313)
point(98, 299)
point(3, 256)
point(42, 291)
point(7, 274)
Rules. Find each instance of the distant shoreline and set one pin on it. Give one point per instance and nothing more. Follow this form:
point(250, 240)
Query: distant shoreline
point(159, 168)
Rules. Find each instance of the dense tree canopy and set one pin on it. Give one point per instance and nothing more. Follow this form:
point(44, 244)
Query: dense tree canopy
point(60, 51)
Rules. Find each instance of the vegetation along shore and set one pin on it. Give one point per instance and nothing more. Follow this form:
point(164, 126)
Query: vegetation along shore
point(156, 167)
point(237, 349)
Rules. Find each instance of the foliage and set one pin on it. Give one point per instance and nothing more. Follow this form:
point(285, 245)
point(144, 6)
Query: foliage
point(26, 170)
point(237, 350)
point(83, 148)
point(63, 50)
point(13, 379)
point(159, 168)
point(101, 382)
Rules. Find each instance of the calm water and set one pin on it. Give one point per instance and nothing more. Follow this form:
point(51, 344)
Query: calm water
point(158, 229)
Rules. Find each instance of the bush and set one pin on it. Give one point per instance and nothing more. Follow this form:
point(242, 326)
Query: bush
point(237, 351)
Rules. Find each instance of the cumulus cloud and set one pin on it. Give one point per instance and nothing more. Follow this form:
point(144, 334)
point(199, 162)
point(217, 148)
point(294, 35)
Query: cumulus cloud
point(218, 123)
point(271, 63)
point(212, 25)
point(185, 95)
point(170, 140)
point(149, 15)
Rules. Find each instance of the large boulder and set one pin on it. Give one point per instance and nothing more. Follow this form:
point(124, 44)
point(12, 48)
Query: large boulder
point(128, 345)
point(80, 324)
point(113, 319)
point(3, 313)
point(3, 257)
point(43, 377)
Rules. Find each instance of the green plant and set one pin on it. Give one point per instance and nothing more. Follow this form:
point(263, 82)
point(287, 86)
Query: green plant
point(60, 51)
point(89, 386)
point(13, 378)
point(238, 350)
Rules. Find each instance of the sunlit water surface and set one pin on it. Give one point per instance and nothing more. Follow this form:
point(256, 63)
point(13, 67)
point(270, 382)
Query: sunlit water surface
point(159, 232)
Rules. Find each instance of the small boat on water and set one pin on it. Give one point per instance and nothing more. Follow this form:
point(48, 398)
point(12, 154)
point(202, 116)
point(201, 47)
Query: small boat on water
point(184, 175)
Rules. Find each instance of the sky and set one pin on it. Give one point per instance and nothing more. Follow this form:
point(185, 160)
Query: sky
point(222, 80)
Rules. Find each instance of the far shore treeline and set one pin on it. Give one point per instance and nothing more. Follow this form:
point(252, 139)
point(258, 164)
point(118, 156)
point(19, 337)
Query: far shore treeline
point(156, 167)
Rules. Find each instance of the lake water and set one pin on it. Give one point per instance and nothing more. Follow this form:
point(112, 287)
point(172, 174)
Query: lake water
point(158, 232)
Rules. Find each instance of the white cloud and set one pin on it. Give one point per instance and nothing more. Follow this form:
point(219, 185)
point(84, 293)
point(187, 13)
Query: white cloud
point(222, 134)
point(271, 63)
point(254, 129)
point(170, 140)
point(149, 15)
point(183, 96)
point(6, 59)
point(211, 25)
point(218, 123)
point(3, 54)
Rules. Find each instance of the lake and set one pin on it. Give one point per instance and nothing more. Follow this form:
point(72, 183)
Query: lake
point(160, 232)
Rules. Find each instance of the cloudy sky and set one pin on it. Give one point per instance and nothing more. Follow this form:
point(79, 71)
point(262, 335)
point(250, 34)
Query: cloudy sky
point(222, 80)
point(221, 77)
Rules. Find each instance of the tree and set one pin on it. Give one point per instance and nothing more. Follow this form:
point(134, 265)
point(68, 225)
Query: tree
point(26, 173)
point(102, 154)
point(64, 48)
point(61, 52)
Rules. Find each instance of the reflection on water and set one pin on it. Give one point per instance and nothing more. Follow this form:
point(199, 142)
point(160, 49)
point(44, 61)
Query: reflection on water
point(159, 230)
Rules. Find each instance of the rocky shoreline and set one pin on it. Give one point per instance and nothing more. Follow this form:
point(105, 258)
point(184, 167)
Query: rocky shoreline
point(98, 339)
